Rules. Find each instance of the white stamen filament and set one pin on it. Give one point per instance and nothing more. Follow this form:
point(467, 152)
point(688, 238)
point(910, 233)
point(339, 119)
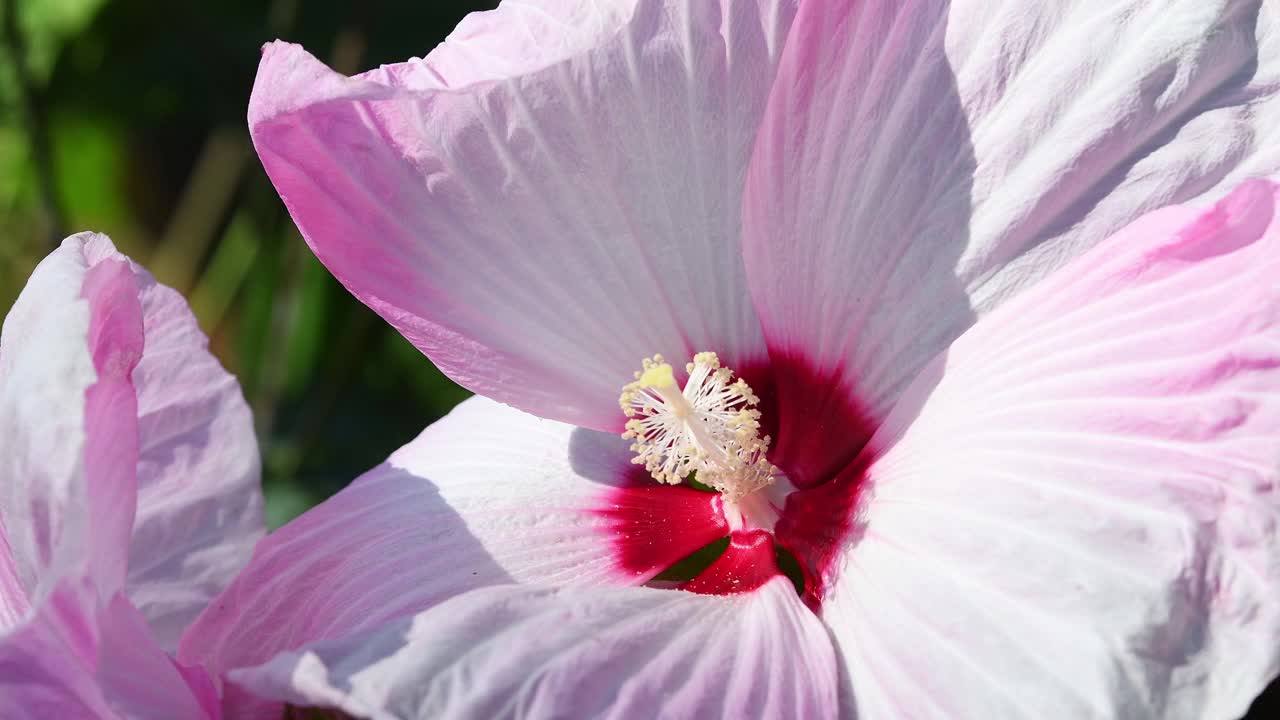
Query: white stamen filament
point(758, 510)
point(710, 427)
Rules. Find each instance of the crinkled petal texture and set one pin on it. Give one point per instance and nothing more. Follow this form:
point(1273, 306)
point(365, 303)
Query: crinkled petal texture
point(1074, 511)
point(920, 161)
point(527, 652)
point(538, 216)
point(83, 364)
point(199, 501)
point(488, 495)
point(46, 365)
point(68, 660)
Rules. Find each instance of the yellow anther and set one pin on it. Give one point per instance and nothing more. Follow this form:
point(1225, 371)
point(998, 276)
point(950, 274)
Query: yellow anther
point(658, 375)
point(710, 426)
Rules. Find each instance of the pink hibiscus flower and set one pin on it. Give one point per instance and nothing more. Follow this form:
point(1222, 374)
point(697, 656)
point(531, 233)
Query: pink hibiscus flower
point(1022, 432)
point(128, 492)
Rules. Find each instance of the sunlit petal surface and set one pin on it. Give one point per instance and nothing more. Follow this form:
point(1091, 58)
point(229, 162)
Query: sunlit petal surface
point(921, 161)
point(519, 651)
point(487, 495)
point(539, 216)
point(1074, 511)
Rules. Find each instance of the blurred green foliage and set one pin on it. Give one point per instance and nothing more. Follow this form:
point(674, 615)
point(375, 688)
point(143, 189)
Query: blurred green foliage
point(127, 117)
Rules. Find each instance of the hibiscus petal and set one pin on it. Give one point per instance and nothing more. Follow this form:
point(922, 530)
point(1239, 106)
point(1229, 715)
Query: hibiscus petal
point(13, 595)
point(516, 651)
point(158, 408)
point(199, 501)
point(139, 679)
point(74, 353)
point(58, 664)
point(110, 416)
point(486, 495)
point(47, 663)
point(919, 161)
point(66, 352)
point(1075, 511)
point(546, 199)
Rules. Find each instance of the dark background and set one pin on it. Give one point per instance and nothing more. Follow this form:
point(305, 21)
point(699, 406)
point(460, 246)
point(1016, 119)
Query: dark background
point(128, 117)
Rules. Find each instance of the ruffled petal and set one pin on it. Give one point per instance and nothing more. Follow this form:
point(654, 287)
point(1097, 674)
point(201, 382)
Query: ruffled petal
point(161, 428)
point(545, 200)
point(920, 161)
point(13, 594)
point(139, 679)
point(199, 500)
point(68, 428)
point(47, 662)
point(514, 652)
point(61, 664)
point(72, 645)
point(487, 495)
point(1075, 511)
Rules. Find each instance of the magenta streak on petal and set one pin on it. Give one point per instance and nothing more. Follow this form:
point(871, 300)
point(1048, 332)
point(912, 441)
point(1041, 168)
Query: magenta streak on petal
point(115, 325)
point(652, 526)
point(14, 603)
point(816, 423)
point(746, 564)
point(202, 687)
point(111, 446)
point(815, 522)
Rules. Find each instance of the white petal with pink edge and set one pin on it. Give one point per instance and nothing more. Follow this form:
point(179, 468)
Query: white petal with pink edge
point(487, 495)
point(538, 217)
point(520, 651)
point(76, 313)
point(920, 161)
point(1075, 510)
point(84, 348)
point(44, 363)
